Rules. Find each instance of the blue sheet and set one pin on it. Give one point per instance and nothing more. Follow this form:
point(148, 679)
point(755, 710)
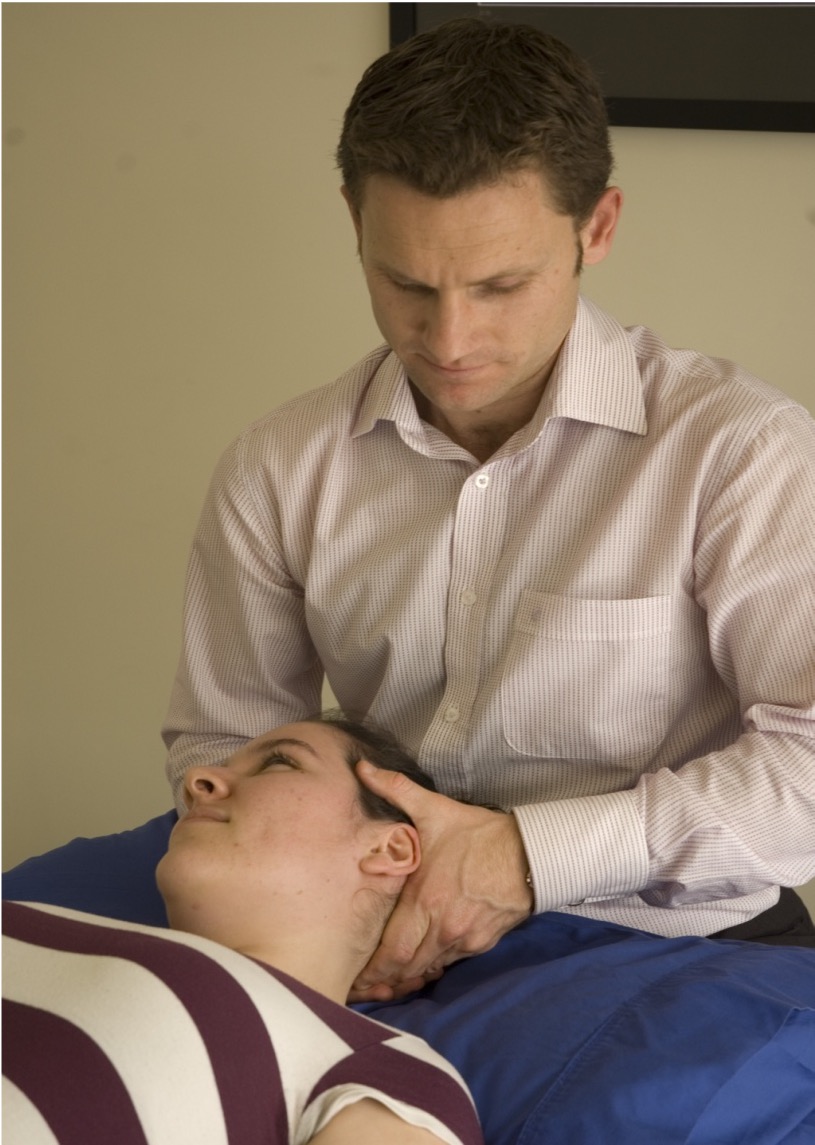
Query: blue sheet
point(569, 1032)
point(576, 1031)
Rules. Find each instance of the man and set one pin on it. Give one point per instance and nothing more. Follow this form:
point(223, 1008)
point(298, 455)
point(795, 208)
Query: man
point(572, 569)
point(231, 1026)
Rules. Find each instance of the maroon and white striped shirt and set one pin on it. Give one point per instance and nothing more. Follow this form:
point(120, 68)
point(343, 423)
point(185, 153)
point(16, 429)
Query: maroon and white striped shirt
point(608, 627)
point(118, 1034)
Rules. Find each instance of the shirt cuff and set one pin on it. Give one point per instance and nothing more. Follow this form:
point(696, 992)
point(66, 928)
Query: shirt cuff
point(583, 850)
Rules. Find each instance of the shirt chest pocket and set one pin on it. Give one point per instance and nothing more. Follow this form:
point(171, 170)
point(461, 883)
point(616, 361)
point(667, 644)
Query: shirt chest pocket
point(588, 679)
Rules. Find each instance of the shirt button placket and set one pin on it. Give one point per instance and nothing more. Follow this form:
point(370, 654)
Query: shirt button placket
point(460, 697)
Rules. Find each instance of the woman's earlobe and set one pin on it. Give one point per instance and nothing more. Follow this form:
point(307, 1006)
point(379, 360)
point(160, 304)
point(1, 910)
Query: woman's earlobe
point(396, 852)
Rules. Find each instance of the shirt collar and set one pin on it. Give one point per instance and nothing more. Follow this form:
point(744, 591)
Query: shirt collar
point(596, 379)
point(388, 398)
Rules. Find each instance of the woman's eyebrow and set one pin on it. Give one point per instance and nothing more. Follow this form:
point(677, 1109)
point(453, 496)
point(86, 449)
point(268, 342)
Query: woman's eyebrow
point(266, 744)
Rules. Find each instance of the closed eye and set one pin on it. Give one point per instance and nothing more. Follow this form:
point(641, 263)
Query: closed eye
point(272, 758)
point(275, 760)
point(412, 287)
point(485, 289)
point(503, 287)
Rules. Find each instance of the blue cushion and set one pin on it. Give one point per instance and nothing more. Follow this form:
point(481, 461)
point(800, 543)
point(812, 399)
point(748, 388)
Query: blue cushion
point(112, 875)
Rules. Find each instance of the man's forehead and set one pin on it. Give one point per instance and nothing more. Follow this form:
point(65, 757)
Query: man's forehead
point(505, 224)
point(527, 175)
point(387, 194)
point(493, 275)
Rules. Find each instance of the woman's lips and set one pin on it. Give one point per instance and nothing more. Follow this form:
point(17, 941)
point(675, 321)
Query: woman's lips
point(204, 814)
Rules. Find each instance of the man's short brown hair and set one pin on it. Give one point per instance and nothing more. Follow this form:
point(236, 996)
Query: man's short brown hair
point(470, 102)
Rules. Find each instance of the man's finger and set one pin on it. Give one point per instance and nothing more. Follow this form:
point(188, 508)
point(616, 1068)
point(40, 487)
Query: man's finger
point(395, 788)
point(397, 966)
point(404, 933)
point(384, 993)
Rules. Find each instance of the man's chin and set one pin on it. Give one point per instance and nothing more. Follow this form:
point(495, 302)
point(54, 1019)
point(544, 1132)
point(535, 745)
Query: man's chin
point(462, 393)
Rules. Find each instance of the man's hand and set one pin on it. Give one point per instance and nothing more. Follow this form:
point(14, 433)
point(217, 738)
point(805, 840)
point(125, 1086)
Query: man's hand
point(468, 892)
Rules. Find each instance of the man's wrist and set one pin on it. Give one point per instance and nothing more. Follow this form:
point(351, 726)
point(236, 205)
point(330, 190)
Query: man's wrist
point(523, 865)
point(530, 884)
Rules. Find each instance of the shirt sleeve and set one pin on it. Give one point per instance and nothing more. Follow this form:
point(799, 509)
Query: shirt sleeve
point(742, 818)
point(406, 1076)
point(247, 663)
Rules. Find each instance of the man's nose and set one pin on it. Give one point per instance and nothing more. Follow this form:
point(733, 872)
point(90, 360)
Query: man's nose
point(449, 330)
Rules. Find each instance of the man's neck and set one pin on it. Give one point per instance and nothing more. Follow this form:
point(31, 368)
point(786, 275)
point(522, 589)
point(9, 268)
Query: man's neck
point(481, 433)
point(483, 441)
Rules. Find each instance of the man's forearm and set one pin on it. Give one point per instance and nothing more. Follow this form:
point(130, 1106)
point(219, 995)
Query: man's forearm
point(721, 826)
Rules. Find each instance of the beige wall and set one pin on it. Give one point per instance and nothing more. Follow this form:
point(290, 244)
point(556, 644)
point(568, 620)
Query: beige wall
point(178, 261)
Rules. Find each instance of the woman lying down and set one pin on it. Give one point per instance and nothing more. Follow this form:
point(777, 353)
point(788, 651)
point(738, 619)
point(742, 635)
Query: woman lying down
point(230, 1027)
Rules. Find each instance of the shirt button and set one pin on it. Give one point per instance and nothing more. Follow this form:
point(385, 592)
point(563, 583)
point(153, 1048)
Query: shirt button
point(451, 715)
point(468, 597)
point(482, 480)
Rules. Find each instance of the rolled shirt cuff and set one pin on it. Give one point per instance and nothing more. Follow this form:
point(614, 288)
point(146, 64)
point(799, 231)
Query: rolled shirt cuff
point(584, 850)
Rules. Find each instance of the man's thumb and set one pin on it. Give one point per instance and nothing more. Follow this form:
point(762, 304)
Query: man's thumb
point(392, 786)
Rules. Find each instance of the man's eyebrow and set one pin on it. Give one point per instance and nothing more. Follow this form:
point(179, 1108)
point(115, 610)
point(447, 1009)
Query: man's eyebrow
point(509, 272)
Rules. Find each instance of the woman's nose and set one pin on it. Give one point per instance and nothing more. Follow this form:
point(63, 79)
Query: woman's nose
point(206, 784)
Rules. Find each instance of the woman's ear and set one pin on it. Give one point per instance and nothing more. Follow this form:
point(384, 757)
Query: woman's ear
point(395, 853)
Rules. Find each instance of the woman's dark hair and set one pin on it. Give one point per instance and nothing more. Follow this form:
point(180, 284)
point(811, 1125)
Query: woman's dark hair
point(365, 740)
point(470, 102)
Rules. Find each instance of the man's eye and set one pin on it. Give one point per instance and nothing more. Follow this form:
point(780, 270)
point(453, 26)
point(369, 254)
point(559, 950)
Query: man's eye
point(502, 287)
point(411, 287)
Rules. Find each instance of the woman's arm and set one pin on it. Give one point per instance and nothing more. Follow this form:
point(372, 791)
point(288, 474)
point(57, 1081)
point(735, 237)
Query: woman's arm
point(367, 1122)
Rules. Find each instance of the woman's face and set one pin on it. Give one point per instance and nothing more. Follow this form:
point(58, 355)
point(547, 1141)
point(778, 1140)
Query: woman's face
point(277, 823)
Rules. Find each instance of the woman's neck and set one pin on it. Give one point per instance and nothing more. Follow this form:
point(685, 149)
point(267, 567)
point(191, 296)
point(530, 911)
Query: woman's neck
point(317, 961)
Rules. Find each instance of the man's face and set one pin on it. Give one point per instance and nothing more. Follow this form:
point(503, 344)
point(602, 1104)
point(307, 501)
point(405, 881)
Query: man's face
point(280, 819)
point(475, 293)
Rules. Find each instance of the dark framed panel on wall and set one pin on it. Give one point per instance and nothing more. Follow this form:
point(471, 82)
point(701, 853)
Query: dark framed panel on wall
point(737, 67)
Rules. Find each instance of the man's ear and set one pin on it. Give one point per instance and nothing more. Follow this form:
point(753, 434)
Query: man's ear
point(356, 218)
point(396, 852)
point(597, 235)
